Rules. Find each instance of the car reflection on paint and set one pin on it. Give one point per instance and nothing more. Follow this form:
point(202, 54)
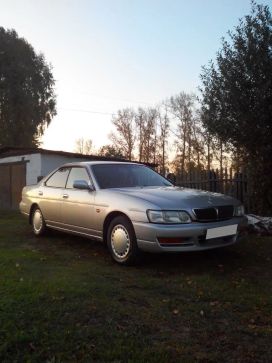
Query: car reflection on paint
point(132, 209)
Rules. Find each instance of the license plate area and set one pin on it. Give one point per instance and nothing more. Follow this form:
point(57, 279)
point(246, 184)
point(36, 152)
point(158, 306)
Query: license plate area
point(221, 231)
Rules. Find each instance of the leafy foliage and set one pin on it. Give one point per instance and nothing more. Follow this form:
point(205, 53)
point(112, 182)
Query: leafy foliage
point(237, 96)
point(110, 151)
point(27, 98)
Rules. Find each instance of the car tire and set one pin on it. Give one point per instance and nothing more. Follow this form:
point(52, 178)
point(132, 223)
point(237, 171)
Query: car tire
point(38, 223)
point(121, 241)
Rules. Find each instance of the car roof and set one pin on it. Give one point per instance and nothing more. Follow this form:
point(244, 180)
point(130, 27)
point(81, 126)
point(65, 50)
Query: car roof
point(86, 163)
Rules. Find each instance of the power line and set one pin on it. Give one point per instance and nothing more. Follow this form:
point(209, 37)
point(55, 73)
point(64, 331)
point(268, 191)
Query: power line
point(88, 93)
point(86, 111)
point(173, 132)
point(117, 98)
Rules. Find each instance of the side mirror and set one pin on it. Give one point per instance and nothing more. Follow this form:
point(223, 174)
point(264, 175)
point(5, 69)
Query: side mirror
point(81, 184)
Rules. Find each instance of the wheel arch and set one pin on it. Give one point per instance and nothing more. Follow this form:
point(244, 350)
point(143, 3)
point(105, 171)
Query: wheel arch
point(33, 206)
point(108, 220)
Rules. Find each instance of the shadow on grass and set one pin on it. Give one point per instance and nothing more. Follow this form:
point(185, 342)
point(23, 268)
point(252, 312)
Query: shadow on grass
point(227, 260)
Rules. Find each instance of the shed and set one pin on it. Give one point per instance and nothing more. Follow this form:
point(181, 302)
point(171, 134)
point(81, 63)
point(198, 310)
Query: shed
point(25, 166)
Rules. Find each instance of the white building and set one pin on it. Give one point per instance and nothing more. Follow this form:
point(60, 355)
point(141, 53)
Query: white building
point(25, 166)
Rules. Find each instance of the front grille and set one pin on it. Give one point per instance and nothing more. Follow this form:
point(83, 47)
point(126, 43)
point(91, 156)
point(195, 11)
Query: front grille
point(213, 213)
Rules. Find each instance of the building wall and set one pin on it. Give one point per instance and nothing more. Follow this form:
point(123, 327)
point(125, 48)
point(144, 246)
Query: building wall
point(25, 169)
point(33, 165)
point(38, 165)
point(51, 162)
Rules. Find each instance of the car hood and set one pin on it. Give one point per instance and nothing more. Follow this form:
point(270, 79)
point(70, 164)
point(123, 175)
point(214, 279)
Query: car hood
point(178, 197)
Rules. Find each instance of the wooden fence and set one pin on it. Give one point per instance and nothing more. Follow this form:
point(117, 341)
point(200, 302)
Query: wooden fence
point(226, 181)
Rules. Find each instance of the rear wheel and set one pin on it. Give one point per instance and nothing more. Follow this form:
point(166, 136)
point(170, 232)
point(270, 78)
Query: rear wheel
point(38, 224)
point(121, 241)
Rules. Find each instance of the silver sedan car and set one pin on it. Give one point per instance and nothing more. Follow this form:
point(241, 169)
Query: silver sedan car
point(132, 209)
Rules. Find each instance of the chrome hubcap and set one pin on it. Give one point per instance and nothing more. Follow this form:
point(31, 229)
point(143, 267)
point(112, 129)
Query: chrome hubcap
point(37, 221)
point(120, 241)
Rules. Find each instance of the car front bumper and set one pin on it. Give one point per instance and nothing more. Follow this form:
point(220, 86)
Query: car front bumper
point(186, 237)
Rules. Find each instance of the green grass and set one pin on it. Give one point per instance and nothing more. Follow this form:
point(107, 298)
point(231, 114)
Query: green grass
point(62, 299)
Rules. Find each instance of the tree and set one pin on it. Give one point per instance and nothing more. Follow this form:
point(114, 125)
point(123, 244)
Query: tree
point(163, 135)
point(182, 107)
point(146, 122)
point(84, 146)
point(237, 97)
point(140, 124)
point(125, 136)
point(27, 98)
point(110, 151)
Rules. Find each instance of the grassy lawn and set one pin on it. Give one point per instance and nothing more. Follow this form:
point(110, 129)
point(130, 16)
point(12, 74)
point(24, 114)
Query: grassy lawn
point(62, 299)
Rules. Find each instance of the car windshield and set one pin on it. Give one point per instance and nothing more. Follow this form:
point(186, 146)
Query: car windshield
point(127, 176)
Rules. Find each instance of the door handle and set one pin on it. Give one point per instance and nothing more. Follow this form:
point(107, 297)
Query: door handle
point(66, 196)
point(40, 192)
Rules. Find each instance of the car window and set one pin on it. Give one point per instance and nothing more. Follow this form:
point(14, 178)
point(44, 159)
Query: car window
point(77, 174)
point(126, 176)
point(58, 179)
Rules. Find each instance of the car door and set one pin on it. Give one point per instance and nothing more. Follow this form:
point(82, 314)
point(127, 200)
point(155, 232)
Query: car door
point(78, 212)
point(51, 196)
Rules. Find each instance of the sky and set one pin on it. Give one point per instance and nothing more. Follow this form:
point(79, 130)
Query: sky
point(111, 54)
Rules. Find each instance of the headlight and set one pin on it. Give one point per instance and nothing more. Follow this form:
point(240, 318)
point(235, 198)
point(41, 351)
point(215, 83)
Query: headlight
point(168, 216)
point(239, 211)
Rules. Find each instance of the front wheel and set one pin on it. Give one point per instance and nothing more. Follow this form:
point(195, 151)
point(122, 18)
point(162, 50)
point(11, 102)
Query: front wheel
point(121, 241)
point(38, 224)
